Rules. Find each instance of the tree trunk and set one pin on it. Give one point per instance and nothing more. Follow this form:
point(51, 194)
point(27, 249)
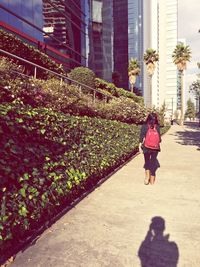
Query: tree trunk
point(132, 86)
point(132, 80)
point(199, 111)
point(182, 100)
point(150, 93)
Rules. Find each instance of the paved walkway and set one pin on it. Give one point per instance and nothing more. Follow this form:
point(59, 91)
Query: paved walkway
point(110, 226)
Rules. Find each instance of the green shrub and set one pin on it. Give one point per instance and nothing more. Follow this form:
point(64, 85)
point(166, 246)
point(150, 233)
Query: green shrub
point(62, 97)
point(47, 158)
point(14, 45)
point(164, 129)
point(69, 100)
point(106, 87)
point(124, 110)
point(84, 76)
point(8, 69)
point(134, 97)
point(57, 96)
point(103, 95)
point(118, 92)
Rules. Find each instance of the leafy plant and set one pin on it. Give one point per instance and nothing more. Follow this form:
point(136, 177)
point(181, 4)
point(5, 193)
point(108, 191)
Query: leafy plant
point(84, 76)
point(190, 111)
point(125, 110)
point(48, 158)
point(117, 92)
point(14, 45)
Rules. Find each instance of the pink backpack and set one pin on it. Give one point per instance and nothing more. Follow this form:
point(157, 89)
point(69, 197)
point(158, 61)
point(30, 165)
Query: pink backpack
point(152, 139)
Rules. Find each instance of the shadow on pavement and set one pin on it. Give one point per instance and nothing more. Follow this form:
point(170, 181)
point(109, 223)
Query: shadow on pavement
point(191, 136)
point(156, 250)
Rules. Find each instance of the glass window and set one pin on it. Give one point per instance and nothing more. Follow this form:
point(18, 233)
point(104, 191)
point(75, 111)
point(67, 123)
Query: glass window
point(97, 11)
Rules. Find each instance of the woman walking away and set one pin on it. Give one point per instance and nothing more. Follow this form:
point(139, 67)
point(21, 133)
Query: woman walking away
point(150, 145)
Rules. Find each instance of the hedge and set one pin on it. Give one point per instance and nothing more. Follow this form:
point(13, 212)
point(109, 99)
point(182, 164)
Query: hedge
point(118, 92)
point(14, 45)
point(47, 158)
point(85, 76)
point(124, 110)
point(66, 98)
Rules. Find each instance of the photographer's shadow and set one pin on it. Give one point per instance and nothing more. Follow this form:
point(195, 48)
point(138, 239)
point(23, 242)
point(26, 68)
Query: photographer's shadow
point(156, 250)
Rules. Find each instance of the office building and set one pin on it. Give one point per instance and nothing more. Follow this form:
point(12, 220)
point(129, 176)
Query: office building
point(23, 16)
point(151, 40)
point(168, 38)
point(120, 41)
point(128, 38)
point(57, 27)
point(161, 33)
point(135, 36)
point(100, 39)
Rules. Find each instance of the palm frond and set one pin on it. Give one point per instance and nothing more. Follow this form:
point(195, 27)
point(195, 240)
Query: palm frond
point(181, 55)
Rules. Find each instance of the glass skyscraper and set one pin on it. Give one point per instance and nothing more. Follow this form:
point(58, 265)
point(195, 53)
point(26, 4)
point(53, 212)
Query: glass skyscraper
point(128, 38)
point(59, 26)
point(11, 13)
point(135, 36)
point(120, 40)
point(100, 38)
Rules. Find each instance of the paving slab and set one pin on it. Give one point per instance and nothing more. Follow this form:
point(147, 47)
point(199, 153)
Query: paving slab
point(125, 223)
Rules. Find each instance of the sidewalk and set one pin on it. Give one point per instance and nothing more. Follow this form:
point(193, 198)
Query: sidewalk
point(107, 228)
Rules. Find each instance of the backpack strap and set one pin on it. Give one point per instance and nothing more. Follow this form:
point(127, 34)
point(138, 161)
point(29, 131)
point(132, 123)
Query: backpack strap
point(149, 127)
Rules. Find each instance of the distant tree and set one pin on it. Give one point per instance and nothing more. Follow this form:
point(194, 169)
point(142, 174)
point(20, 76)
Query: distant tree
point(133, 71)
point(181, 55)
point(150, 58)
point(195, 89)
point(190, 111)
point(198, 65)
point(161, 111)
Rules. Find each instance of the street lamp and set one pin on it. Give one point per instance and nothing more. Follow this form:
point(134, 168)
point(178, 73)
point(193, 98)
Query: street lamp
point(172, 106)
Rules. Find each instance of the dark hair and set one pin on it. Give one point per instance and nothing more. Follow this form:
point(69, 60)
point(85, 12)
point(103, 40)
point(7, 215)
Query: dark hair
point(152, 119)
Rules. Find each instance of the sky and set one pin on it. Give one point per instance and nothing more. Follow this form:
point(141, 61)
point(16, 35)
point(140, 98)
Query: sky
point(188, 27)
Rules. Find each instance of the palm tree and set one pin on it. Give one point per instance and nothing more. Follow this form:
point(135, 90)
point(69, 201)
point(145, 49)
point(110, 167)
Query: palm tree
point(133, 71)
point(150, 58)
point(181, 55)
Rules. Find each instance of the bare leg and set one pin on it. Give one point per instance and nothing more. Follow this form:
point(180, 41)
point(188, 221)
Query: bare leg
point(147, 177)
point(153, 167)
point(152, 179)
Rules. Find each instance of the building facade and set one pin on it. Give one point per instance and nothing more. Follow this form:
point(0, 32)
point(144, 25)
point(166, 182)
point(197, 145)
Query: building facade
point(168, 39)
point(18, 13)
point(136, 37)
point(151, 40)
point(161, 34)
point(58, 27)
point(120, 41)
point(103, 35)
point(100, 38)
point(128, 39)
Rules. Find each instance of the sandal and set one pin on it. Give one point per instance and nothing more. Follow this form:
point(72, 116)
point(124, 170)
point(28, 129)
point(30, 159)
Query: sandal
point(146, 181)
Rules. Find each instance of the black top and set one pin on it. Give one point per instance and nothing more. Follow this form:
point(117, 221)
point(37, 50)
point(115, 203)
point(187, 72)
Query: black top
point(143, 132)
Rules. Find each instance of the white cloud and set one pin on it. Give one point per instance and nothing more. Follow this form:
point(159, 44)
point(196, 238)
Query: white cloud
point(188, 17)
point(191, 78)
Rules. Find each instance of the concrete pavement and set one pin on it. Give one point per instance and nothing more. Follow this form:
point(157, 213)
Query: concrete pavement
point(110, 227)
